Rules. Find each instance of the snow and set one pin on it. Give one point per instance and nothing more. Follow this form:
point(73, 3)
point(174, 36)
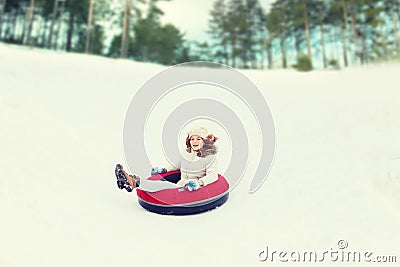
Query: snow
point(335, 175)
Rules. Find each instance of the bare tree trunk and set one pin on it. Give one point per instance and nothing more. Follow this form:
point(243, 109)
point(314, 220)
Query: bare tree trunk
point(297, 45)
point(398, 12)
point(53, 21)
point(344, 47)
point(321, 25)
point(70, 33)
point(307, 29)
point(283, 51)
point(262, 52)
point(24, 25)
point(7, 26)
point(353, 24)
point(384, 42)
point(43, 34)
point(30, 22)
point(345, 32)
point(395, 30)
point(14, 24)
point(331, 42)
point(59, 24)
point(269, 54)
point(226, 55)
point(2, 8)
point(89, 30)
point(283, 36)
point(364, 45)
point(345, 17)
point(126, 29)
point(233, 49)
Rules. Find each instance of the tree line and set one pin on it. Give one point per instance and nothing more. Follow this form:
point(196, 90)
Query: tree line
point(84, 25)
point(329, 31)
point(243, 33)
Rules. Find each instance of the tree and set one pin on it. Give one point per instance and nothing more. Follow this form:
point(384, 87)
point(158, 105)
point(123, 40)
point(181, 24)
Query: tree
point(147, 31)
point(78, 11)
point(393, 4)
point(2, 8)
point(114, 49)
point(152, 42)
point(218, 29)
point(253, 32)
point(371, 28)
point(277, 26)
point(169, 40)
point(126, 29)
point(321, 19)
point(60, 22)
point(335, 18)
point(353, 11)
point(53, 21)
point(295, 25)
point(237, 19)
point(307, 28)
point(89, 30)
point(343, 32)
point(28, 22)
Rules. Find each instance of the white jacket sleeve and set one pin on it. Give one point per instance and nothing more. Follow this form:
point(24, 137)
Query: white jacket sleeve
point(211, 173)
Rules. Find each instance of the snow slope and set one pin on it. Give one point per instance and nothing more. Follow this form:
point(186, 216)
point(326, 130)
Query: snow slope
point(335, 175)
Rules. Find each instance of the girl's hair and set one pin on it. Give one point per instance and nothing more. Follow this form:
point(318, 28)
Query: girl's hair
point(208, 147)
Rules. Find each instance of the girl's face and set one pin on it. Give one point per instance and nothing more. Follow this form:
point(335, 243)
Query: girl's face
point(196, 142)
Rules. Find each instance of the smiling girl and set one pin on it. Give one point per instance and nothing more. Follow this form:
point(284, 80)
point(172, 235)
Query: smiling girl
point(197, 165)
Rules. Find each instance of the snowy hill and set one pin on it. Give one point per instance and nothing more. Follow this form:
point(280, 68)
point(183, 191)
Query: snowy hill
point(336, 174)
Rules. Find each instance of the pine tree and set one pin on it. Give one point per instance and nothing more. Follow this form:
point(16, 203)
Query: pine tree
point(253, 32)
point(335, 19)
point(218, 29)
point(155, 42)
point(277, 26)
point(78, 11)
point(236, 28)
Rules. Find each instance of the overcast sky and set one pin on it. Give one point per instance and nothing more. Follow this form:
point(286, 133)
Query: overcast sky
point(191, 16)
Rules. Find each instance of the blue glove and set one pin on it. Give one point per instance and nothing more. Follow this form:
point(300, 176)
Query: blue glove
point(192, 185)
point(157, 170)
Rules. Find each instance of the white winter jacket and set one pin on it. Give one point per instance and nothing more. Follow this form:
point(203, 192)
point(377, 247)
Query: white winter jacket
point(204, 169)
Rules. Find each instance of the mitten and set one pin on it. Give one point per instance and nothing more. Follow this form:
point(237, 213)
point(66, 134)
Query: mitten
point(157, 170)
point(192, 185)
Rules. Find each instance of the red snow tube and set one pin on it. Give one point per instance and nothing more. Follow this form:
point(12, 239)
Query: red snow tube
point(183, 202)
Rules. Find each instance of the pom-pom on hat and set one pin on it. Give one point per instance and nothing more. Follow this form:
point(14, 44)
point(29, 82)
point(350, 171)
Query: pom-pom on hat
point(202, 132)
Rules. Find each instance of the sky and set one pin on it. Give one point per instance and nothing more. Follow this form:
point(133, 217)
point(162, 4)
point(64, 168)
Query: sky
point(191, 16)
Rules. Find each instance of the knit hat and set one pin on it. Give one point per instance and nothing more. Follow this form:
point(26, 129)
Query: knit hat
point(202, 132)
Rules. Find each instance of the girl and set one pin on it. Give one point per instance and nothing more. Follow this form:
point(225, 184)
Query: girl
point(197, 165)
